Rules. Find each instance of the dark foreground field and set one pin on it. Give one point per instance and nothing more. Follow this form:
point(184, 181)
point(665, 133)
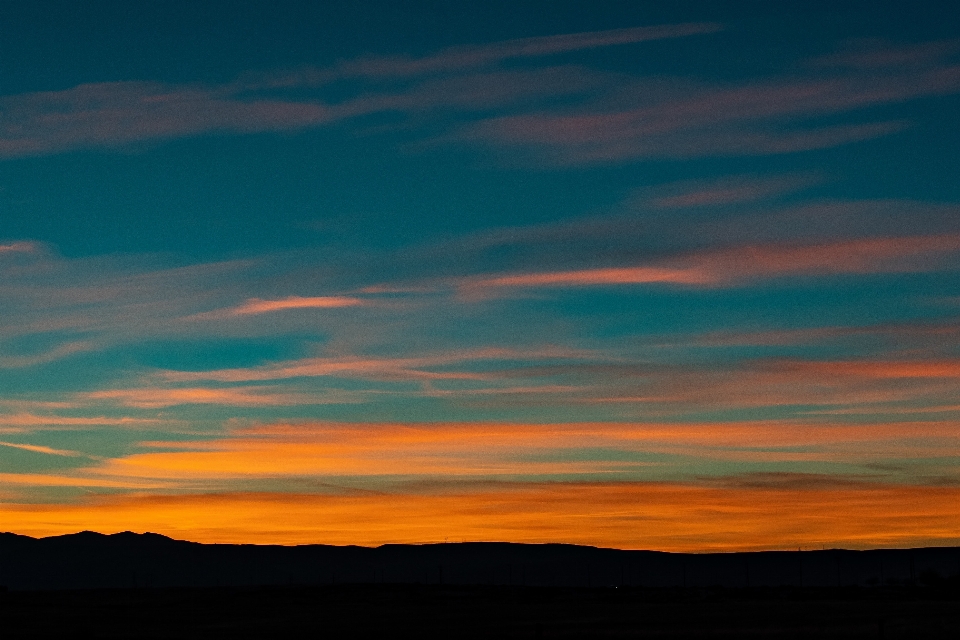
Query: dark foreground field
point(434, 611)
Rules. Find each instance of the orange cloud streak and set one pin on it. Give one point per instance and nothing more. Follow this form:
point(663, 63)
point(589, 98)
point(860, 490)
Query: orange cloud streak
point(372, 367)
point(517, 450)
point(18, 422)
point(35, 448)
point(152, 398)
point(728, 266)
point(669, 517)
point(256, 306)
point(882, 369)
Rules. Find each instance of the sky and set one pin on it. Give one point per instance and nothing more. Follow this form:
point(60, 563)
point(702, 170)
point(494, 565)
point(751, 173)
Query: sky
point(680, 276)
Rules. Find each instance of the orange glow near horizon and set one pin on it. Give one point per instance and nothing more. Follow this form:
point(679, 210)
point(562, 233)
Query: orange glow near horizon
point(662, 516)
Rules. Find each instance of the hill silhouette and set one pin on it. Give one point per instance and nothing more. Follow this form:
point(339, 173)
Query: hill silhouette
point(89, 560)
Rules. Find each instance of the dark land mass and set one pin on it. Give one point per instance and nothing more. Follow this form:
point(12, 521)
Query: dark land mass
point(124, 560)
point(449, 611)
point(133, 585)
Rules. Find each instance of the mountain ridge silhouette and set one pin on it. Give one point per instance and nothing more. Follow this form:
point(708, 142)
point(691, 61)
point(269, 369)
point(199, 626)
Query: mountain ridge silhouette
point(89, 559)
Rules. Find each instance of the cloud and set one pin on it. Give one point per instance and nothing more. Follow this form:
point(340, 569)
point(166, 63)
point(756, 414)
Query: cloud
point(339, 450)
point(61, 351)
point(736, 265)
point(674, 243)
point(42, 449)
point(724, 191)
point(118, 113)
point(112, 114)
point(587, 277)
point(18, 422)
point(457, 450)
point(462, 57)
point(146, 397)
point(684, 119)
point(882, 369)
point(909, 334)
point(257, 306)
point(18, 247)
point(620, 116)
point(806, 384)
point(64, 480)
point(374, 368)
point(108, 299)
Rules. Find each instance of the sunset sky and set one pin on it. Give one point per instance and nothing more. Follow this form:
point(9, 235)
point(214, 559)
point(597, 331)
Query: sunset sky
point(660, 275)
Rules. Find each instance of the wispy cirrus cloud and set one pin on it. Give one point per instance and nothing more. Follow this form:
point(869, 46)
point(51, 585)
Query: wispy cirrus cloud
point(119, 113)
point(255, 306)
point(476, 55)
point(421, 367)
point(610, 138)
point(42, 449)
point(617, 117)
point(51, 355)
point(20, 422)
point(150, 397)
point(718, 192)
point(688, 120)
point(524, 451)
point(802, 385)
point(67, 480)
point(113, 114)
point(732, 266)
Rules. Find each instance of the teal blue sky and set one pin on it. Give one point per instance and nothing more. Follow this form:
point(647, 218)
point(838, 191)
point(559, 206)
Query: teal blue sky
point(224, 218)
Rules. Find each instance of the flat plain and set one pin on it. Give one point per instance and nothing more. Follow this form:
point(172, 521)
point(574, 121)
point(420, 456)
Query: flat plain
point(447, 611)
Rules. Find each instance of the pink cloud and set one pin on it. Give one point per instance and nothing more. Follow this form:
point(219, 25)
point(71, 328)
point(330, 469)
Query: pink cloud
point(901, 333)
point(117, 113)
point(739, 264)
point(256, 306)
point(587, 277)
point(881, 369)
point(879, 386)
point(382, 368)
point(716, 120)
point(727, 190)
point(680, 121)
point(18, 247)
point(247, 396)
point(456, 58)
